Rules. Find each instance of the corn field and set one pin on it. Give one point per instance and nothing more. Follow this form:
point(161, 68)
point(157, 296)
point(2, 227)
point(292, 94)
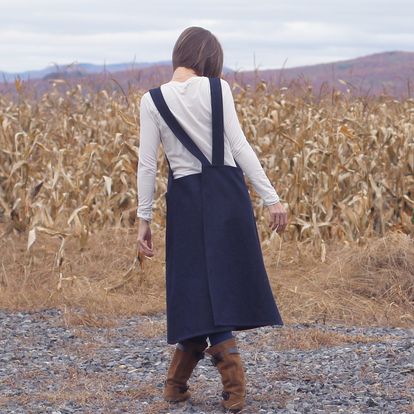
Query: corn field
point(344, 166)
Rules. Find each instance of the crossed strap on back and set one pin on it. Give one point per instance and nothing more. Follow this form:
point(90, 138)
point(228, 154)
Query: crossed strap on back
point(183, 137)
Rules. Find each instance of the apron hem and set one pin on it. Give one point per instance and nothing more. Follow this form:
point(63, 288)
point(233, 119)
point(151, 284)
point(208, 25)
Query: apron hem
point(232, 328)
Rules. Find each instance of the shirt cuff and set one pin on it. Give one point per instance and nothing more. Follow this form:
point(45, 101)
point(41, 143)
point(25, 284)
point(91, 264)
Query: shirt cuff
point(147, 217)
point(271, 201)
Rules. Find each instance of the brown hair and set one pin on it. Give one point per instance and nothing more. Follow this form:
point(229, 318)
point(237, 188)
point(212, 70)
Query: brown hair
point(198, 49)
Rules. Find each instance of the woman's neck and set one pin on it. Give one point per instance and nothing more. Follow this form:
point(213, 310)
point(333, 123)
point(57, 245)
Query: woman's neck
point(182, 73)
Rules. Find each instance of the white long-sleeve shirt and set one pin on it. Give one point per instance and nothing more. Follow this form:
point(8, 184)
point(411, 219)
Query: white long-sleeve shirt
point(190, 103)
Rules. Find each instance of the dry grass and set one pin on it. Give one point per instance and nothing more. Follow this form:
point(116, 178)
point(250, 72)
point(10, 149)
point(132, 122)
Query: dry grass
point(311, 338)
point(74, 317)
point(84, 389)
point(35, 280)
point(151, 329)
point(358, 285)
point(370, 285)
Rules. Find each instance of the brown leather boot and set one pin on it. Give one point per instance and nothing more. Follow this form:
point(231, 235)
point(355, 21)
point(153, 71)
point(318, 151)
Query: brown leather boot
point(184, 360)
point(225, 357)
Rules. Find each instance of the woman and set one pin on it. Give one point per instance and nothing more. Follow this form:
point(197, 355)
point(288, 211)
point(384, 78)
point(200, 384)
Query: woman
point(215, 277)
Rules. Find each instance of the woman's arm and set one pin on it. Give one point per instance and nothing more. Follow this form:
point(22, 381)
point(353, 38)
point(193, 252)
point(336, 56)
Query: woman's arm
point(147, 159)
point(242, 151)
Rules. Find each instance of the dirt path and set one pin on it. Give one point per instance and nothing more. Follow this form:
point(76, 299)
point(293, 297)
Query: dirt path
point(47, 366)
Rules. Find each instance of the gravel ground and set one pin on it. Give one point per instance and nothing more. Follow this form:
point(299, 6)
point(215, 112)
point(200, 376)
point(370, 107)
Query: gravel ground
point(49, 367)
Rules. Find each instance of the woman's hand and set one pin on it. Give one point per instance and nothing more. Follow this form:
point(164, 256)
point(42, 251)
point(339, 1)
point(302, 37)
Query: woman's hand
point(144, 238)
point(278, 217)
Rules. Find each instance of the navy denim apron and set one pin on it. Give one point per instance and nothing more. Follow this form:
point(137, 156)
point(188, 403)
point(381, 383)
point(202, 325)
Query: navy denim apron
point(215, 275)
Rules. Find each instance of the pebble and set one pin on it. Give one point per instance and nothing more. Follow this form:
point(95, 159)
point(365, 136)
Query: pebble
point(47, 367)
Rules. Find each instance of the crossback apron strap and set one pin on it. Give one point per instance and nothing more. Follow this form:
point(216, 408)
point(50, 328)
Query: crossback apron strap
point(174, 125)
point(217, 121)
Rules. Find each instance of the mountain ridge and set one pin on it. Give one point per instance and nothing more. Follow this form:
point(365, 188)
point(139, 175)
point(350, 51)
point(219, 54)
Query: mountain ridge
point(391, 72)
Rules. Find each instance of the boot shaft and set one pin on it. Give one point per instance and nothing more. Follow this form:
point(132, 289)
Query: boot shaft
point(225, 356)
point(185, 358)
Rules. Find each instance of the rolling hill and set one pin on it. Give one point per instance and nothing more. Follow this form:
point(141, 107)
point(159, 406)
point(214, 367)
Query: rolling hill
point(387, 72)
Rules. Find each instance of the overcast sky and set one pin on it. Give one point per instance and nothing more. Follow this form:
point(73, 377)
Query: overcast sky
point(262, 33)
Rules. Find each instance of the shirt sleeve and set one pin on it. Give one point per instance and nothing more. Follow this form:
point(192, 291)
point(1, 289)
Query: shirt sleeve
point(243, 152)
point(147, 159)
